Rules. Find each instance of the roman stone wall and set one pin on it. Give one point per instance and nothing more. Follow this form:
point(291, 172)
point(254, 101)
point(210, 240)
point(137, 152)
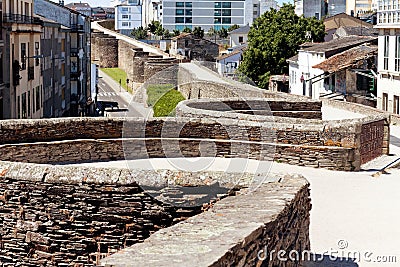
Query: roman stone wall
point(74, 216)
point(154, 66)
point(104, 50)
point(76, 140)
point(273, 218)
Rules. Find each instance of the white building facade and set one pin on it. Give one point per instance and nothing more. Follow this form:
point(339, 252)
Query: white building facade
point(178, 14)
point(128, 15)
point(388, 83)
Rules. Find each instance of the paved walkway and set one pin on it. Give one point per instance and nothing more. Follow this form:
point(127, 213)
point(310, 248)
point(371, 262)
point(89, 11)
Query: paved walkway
point(146, 47)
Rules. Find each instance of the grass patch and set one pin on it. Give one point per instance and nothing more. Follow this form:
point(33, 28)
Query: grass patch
point(163, 98)
point(117, 74)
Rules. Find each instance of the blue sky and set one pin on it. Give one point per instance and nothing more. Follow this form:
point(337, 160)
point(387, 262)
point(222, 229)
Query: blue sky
point(95, 3)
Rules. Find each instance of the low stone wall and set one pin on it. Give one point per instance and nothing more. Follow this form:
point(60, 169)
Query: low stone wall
point(335, 158)
point(310, 109)
point(74, 216)
point(333, 146)
point(275, 217)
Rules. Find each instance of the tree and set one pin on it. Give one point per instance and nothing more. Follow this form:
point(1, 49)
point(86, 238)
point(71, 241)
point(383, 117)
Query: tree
point(154, 26)
point(166, 34)
point(139, 33)
point(176, 32)
point(187, 30)
point(274, 37)
point(211, 32)
point(233, 27)
point(198, 32)
point(223, 33)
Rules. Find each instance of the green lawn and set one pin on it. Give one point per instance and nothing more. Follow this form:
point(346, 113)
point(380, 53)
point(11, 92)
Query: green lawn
point(163, 98)
point(117, 75)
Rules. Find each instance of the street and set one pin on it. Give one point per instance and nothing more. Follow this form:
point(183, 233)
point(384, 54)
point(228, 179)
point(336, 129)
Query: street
point(109, 90)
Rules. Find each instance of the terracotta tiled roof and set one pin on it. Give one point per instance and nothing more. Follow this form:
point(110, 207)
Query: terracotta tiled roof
point(339, 43)
point(347, 58)
point(295, 58)
point(344, 20)
point(229, 55)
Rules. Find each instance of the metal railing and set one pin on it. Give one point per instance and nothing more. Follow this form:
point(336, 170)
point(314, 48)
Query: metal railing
point(77, 27)
point(18, 18)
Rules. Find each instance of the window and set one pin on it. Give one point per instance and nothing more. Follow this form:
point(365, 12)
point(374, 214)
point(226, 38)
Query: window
point(23, 56)
point(23, 104)
point(179, 20)
point(316, 15)
point(125, 16)
point(125, 24)
point(29, 104)
point(179, 12)
point(188, 12)
point(217, 12)
point(180, 4)
point(36, 53)
point(188, 20)
point(397, 55)
point(226, 20)
point(226, 12)
point(385, 101)
point(240, 39)
point(37, 98)
point(188, 4)
point(386, 52)
point(217, 20)
point(217, 4)
point(396, 108)
point(125, 9)
point(226, 4)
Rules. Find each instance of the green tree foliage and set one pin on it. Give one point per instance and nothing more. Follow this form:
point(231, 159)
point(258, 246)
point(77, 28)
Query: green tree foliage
point(154, 26)
point(176, 32)
point(211, 32)
point(223, 33)
point(274, 37)
point(187, 30)
point(198, 32)
point(166, 34)
point(233, 27)
point(139, 33)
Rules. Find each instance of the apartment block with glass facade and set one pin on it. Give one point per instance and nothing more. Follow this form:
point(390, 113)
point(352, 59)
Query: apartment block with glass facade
point(388, 82)
point(178, 14)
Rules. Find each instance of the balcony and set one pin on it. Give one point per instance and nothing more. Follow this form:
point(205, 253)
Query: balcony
point(22, 19)
point(77, 28)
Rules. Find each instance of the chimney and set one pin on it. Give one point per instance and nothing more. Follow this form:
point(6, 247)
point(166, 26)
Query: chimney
point(61, 2)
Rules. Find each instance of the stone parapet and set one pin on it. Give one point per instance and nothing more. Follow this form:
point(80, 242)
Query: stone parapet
point(236, 231)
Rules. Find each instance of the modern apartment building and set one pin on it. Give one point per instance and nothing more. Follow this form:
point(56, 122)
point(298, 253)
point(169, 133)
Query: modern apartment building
point(23, 90)
point(389, 55)
point(73, 99)
point(128, 15)
point(178, 14)
point(310, 8)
